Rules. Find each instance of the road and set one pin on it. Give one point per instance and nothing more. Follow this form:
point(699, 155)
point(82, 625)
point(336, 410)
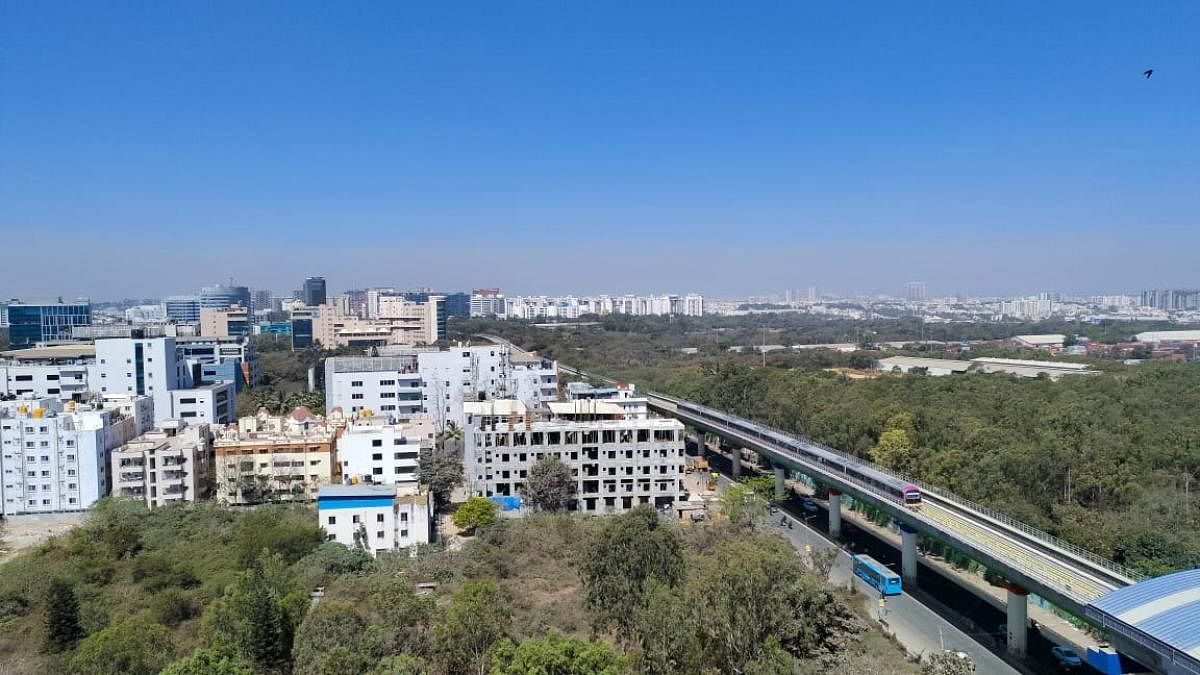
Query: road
point(919, 629)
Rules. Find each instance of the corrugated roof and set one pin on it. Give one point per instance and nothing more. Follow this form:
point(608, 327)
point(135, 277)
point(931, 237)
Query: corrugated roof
point(1166, 608)
point(1169, 336)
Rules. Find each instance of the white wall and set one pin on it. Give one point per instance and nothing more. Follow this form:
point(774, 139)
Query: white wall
point(385, 454)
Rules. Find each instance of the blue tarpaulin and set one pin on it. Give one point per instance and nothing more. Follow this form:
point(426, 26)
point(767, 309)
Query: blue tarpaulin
point(512, 503)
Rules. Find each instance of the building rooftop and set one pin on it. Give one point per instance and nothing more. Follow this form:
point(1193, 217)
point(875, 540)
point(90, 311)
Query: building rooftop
point(1025, 363)
point(356, 490)
point(585, 407)
point(919, 362)
point(52, 352)
point(1169, 336)
point(371, 364)
point(1048, 339)
point(502, 407)
point(1165, 608)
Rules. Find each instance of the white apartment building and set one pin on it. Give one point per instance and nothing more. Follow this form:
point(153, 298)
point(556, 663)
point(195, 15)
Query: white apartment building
point(618, 463)
point(437, 382)
point(382, 450)
point(153, 367)
point(572, 307)
point(60, 371)
point(55, 456)
point(167, 465)
point(207, 403)
point(384, 517)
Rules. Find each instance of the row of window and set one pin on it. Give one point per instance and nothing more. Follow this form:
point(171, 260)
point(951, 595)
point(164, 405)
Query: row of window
point(378, 518)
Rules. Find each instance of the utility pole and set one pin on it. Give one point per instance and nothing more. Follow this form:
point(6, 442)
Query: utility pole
point(764, 345)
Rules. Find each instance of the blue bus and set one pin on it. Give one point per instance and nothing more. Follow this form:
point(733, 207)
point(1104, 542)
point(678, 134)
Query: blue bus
point(877, 575)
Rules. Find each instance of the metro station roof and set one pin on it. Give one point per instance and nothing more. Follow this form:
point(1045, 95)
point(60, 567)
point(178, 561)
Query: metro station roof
point(1165, 608)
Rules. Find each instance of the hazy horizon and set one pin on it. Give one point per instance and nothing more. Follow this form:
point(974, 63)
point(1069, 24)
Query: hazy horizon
point(727, 149)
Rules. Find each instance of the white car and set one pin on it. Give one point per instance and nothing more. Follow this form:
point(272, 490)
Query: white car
point(1066, 657)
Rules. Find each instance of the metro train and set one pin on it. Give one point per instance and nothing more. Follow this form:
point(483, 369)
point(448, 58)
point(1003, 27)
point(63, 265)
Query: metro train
point(854, 470)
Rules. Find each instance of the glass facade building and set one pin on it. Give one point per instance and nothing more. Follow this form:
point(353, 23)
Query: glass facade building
point(220, 297)
point(314, 291)
point(32, 323)
point(182, 309)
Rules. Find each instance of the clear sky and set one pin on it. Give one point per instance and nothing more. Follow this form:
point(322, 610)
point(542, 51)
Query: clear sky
point(984, 147)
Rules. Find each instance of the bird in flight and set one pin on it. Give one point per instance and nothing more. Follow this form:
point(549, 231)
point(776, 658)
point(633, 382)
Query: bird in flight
point(1148, 73)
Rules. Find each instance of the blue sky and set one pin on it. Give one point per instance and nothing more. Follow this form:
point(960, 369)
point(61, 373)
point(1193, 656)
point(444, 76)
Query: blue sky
point(984, 147)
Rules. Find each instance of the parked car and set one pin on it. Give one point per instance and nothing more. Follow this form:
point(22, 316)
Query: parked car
point(809, 506)
point(1066, 657)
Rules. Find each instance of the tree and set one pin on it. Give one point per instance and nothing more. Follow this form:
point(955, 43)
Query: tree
point(944, 663)
point(330, 626)
point(62, 617)
point(476, 618)
point(474, 513)
point(209, 662)
point(894, 449)
point(742, 505)
point(401, 664)
point(625, 553)
point(664, 629)
point(130, 647)
point(550, 485)
point(559, 655)
point(749, 590)
point(257, 618)
point(441, 470)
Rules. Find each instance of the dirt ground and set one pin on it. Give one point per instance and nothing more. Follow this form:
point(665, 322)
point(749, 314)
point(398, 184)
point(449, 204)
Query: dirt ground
point(21, 532)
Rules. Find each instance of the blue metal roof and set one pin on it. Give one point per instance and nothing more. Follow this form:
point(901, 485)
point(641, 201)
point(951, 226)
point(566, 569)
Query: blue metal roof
point(1165, 608)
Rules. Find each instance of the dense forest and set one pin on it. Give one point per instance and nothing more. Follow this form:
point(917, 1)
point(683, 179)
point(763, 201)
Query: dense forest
point(1108, 462)
point(198, 589)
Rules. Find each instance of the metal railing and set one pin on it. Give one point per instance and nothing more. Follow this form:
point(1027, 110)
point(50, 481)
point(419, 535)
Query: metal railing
point(1122, 573)
point(1125, 574)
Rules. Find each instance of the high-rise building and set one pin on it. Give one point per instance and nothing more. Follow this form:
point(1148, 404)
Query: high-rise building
point(813, 294)
point(220, 297)
point(457, 304)
point(182, 308)
point(314, 291)
point(30, 322)
point(260, 300)
point(56, 455)
point(1172, 299)
point(916, 291)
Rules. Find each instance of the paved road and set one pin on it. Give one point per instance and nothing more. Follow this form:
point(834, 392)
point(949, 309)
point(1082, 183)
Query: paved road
point(919, 629)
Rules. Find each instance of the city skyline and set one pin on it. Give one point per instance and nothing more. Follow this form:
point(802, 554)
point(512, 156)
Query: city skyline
point(991, 150)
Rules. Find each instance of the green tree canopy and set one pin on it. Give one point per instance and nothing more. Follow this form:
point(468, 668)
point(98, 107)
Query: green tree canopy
point(130, 647)
point(62, 617)
point(475, 512)
point(557, 655)
point(624, 553)
point(477, 617)
point(441, 470)
point(550, 485)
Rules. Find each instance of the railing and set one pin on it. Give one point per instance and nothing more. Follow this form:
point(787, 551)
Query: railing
point(988, 512)
point(1123, 573)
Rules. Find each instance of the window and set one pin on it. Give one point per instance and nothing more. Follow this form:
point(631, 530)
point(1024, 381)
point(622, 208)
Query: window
point(356, 397)
point(354, 519)
point(387, 383)
point(356, 383)
point(377, 443)
point(377, 471)
point(187, 400)
point(404, 533)
point(379, 517)
point(333, 520)
point(24, 378)
point(404, 517)
point(379, 534)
